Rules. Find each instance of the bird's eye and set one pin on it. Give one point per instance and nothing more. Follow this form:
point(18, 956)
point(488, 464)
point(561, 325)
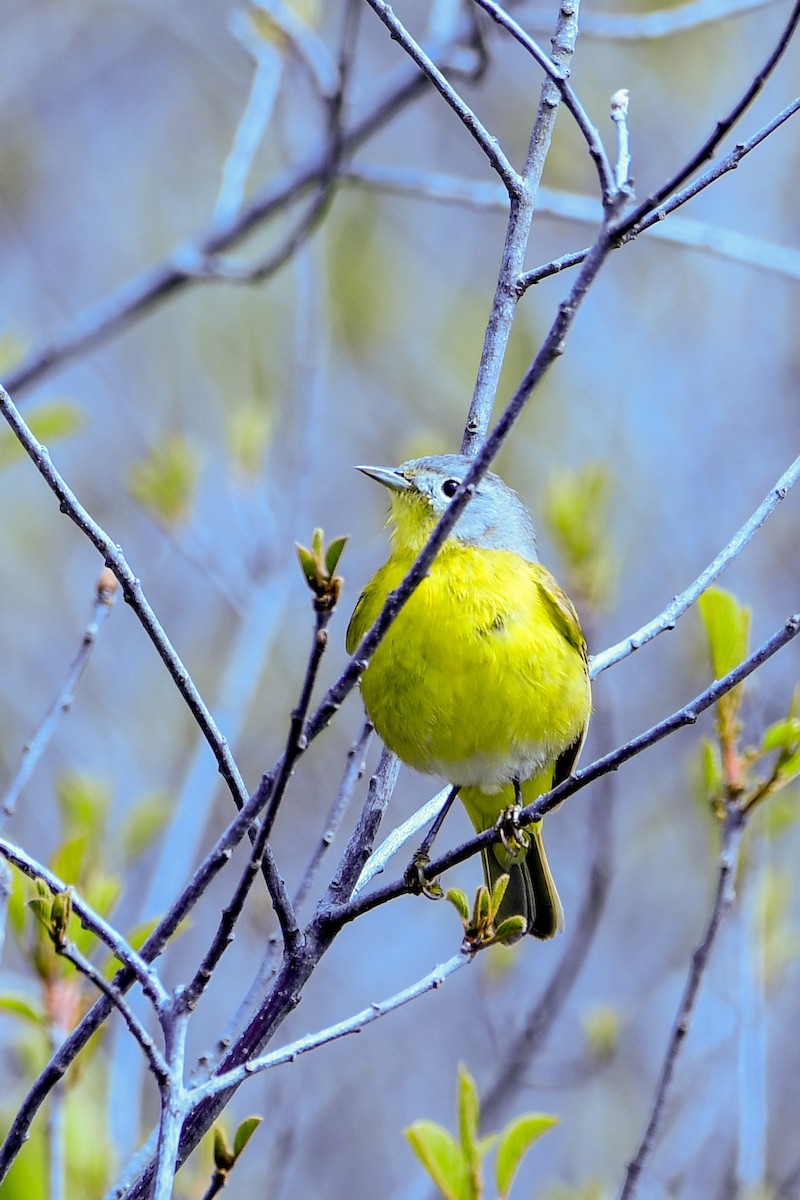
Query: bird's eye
point(450, 487)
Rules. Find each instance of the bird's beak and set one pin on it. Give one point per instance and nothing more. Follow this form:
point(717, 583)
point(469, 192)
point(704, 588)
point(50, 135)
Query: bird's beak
point(390, 477)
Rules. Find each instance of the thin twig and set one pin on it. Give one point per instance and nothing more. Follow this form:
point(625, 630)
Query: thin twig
point(520, 218)
point(590, 134)
point(664, 22)
point(354, 1024)
point(32, 752)
point(132, 591)
point(151, 1052)
point(721, 130)
point(195, 889)
point(487, 143)
point(729, 244)
point(253, 121)
point(150, 983)
point(619, 115)
point(57, 1142)
point(353, 772)
point(629, 233)
point(732, 831)
point(121, 308)
point(667, 618)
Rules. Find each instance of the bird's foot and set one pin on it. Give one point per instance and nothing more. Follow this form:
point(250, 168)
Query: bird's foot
point(516, 841)
point(417, 880)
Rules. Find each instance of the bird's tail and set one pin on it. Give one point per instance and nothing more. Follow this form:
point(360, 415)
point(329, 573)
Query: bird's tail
point(531, 890)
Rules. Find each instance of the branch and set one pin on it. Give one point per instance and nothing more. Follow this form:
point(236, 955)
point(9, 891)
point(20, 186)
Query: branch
point(679, 231)
point(117, 311)
point(150, 983)
point(732, 831)
point(679, 604)
point(487, 143)
point(664, 22)
point(723, 127)
point(628, 233)
point(312, 1041)
point(520, 219)
point(79, 961)
point(32, 752)
point(72, 1045)
point(173, 1108)
point(591, 136)
point(134, 596)
point(353, 772)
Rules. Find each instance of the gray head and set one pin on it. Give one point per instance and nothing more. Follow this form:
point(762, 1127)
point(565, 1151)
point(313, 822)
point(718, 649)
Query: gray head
point(495, 518)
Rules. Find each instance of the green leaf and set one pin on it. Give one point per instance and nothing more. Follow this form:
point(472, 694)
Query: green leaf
point(711, 765)
point(68, 860)
point(40, 906)
point(783, 735)
point(243, 1134)
point(334, 553)
point(459, 901)
point(440, 1154)
point(17, 901)
point(60, 913)
point(575, 512)
point(307, 564)
point(511, 929)
point(515, 1140)
point(601, 1024)
point(144, 823)
point(20, 1006)
point(249, 428)
point(84, 800)
point(223, 1155)
point(49, 422)
point(498, 891)
point(781, 813)
point(727, 625)
point(165, 482)
point(468, 1111)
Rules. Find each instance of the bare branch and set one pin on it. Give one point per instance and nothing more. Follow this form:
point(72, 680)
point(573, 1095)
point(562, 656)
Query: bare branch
point(571, 102)
point(722, 129)
point(732, 831)
point(520, 219)
point(134, 596)
point(487, 143)
point(150, 983)
point(678, 606)
point(729, 163)
point(151, 1052)
point(117, 311)
point(32, 752)
point(664, 22)
point(312, 1041)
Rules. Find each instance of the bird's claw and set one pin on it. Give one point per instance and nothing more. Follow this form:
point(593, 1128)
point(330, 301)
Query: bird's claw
point(516, 841)
point(415, 877)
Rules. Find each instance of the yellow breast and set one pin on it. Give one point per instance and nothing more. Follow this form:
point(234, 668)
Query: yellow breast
point(482, 677)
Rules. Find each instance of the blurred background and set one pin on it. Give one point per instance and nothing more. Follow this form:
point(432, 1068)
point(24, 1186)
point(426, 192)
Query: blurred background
point(223, 424)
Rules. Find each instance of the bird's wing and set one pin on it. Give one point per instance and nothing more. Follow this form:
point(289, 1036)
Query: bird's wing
point(566, 620)
point(561, 609)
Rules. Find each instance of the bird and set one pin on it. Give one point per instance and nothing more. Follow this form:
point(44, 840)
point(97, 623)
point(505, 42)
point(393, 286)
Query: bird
point(483, 677)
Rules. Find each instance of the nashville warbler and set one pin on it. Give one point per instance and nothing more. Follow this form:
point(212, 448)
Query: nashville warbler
point(483, 676)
